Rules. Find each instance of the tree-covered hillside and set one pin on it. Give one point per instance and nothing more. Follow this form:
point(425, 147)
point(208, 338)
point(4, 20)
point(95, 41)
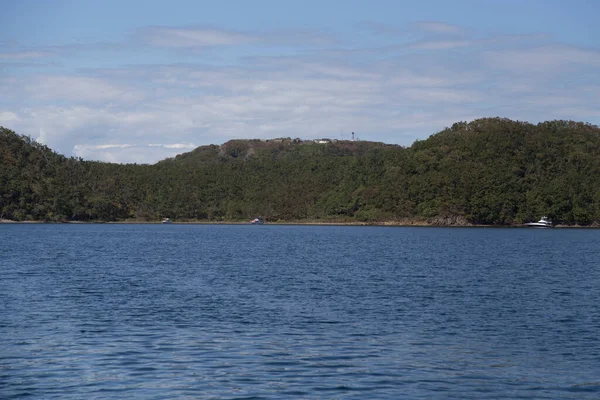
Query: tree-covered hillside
point(488, 171)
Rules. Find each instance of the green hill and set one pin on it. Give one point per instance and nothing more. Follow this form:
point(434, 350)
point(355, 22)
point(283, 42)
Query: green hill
point(488, 171)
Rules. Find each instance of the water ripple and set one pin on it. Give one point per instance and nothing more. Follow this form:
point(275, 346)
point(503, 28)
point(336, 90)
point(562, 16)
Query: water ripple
point(271, 312)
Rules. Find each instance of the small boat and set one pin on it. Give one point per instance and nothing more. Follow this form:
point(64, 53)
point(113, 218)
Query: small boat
point(544, 222)
point(257, 221)
point(167, 221)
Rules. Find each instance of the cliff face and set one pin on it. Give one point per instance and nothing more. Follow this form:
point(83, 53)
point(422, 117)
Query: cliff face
point(488, 171)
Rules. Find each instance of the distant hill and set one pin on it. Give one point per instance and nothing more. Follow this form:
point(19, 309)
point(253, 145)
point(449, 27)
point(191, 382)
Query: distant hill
point(488, 171)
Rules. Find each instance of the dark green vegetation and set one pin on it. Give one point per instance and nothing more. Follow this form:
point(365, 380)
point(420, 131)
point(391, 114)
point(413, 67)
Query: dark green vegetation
point(489, 171)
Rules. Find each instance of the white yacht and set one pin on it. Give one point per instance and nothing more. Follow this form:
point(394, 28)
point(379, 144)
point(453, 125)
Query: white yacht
point(544, 222)
point(167, 221)
point(257, 221)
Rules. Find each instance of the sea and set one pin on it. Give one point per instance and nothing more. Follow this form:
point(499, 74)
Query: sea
point(126, 311)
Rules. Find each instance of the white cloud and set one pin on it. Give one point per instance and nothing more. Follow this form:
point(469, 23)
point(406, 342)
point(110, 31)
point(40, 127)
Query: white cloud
point(8, 117)
point(438, 27)
point(24, 55)
point(441, 44)
point(428, 95)
point(144, 113)
point(129, 153)
point(174, 145)
point(180, 146)
point(82, 147)
point(203, 37)
point(79, 89)
point(43, 137)
point(192, 37)
point(309, 100)
point(542, 58)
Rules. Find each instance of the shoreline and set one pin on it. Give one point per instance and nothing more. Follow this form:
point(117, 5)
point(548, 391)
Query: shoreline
point(401, 223)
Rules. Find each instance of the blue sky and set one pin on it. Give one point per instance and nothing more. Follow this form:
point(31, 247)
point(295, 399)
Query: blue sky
point(139, 81)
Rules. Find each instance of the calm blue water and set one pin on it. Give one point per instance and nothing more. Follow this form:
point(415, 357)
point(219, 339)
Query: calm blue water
point(272, 312)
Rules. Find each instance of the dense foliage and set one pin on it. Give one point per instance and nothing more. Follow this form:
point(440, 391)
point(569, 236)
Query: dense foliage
point(488, 171)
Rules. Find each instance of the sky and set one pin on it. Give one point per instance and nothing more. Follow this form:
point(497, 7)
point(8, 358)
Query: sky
point(139, 81)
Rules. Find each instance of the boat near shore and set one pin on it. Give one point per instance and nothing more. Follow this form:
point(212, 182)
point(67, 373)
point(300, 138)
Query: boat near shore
point(544, 222)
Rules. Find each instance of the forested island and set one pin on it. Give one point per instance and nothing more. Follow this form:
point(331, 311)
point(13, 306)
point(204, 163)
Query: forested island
point(490, 171)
